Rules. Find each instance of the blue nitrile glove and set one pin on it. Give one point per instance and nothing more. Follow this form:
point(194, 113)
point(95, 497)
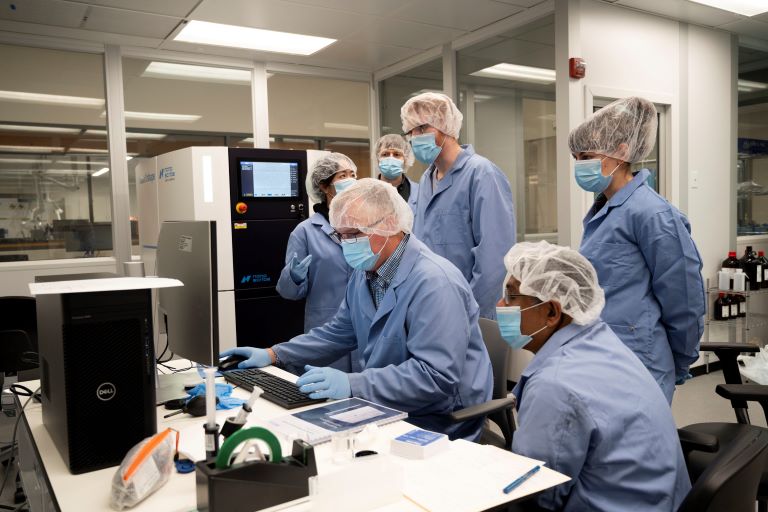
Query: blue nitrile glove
point(300, 269)
point(223, 393)
point(255, 357)
point(324, 383)
point(680, 381)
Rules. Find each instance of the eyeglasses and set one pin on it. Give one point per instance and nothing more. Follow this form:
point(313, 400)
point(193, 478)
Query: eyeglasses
point(419, 130)
point(347, 237)
point(509, 297)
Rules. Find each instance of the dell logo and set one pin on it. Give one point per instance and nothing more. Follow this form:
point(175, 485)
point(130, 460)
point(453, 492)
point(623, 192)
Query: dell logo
point(106, 392)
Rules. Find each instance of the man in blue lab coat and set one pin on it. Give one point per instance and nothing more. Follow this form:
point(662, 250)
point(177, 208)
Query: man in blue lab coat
point(464, 211)
point(586, 404)
point(410, 314)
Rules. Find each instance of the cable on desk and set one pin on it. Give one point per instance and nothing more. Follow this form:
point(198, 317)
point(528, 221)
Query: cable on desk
point(31, 395)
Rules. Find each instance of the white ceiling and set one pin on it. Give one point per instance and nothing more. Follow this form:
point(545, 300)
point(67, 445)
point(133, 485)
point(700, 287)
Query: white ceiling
point(371, 34)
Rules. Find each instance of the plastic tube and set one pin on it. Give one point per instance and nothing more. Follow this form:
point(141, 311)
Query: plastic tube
point(210, 397)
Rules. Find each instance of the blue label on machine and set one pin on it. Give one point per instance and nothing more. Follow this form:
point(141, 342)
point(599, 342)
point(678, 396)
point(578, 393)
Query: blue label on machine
point(167, 174)
point(255, 278)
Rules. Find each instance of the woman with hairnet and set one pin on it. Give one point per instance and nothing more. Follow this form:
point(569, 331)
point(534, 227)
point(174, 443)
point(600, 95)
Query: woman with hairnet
point(315, 269)
point(464, 211)
point(395, 157)
point(408, 312)
point(639, 243)
point(586, 405)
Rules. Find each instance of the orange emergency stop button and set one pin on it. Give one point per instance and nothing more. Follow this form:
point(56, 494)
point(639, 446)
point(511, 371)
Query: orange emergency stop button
point(241, 208)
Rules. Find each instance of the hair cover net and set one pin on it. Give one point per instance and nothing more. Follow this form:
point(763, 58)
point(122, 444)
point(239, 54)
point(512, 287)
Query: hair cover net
point(631, 121)
point(432, 108)
point(372, 206)
point(395, 141)
point(325, 168)
point(551, 272)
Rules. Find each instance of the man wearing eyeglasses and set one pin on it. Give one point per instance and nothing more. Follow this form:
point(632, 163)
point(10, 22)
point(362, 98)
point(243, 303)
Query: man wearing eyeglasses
point(464, 209)
point(410, 314)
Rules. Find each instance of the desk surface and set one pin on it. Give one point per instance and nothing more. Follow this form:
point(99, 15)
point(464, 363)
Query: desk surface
point(90, 491)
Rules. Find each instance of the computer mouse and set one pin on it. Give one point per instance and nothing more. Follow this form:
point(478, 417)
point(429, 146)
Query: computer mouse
point(230, 363)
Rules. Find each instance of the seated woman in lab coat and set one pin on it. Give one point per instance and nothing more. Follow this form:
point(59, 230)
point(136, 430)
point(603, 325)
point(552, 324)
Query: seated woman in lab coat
point(409, 313)
point(315, 268)
point(586, 404)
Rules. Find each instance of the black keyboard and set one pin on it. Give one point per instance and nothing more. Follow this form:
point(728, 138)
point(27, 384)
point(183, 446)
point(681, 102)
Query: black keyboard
point(276, 390)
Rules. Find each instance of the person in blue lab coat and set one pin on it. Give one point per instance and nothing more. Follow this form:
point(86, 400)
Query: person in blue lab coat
point(315, 268)
point(639, 243)
point(395, 157)
point(587, 406)
point(410, 314)
point(464, 211)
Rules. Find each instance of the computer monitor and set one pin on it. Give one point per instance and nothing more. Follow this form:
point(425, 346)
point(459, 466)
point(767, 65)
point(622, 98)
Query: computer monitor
point(187, 251)
point(262, 179)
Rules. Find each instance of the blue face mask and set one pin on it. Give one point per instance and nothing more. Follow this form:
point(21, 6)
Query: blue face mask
point(424, 148)
point(343, 185)
point(391, 167)
point(359, 254)
point(509, 319)
point(589, 175)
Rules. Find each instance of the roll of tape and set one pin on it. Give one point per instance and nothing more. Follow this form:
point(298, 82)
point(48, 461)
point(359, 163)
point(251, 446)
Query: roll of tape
point(233, 441)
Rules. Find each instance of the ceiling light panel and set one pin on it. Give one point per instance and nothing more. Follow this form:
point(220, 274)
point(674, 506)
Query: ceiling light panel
point(233, 36)
point(743, 7)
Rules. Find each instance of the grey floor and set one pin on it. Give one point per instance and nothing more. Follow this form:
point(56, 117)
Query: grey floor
point(694, 402)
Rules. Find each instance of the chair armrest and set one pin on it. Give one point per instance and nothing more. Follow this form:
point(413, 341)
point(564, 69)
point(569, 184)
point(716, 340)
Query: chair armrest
point(734, 347)
point(699, 441)
point(754, 392)
point(484, 409)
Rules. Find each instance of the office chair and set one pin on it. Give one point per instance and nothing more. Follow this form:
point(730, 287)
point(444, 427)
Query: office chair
point(18, 355)
point(18, 335)
point(499, 408)
point(731, 479)
point(726, 433)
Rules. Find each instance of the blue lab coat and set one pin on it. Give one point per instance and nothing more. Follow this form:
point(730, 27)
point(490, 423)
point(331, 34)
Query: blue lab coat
point(650, 269)
point(590, 410)
point(469, 219)
point(421, 351)
point(326, 281)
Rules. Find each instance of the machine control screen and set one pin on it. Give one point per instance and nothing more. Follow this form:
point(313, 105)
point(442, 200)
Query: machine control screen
point(269, 179)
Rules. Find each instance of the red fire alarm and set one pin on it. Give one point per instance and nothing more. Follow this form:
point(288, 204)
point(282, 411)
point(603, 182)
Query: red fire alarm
point(577, 68)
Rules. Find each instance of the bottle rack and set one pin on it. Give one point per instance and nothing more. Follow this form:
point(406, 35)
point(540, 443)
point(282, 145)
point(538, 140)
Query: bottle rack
point(734, 329)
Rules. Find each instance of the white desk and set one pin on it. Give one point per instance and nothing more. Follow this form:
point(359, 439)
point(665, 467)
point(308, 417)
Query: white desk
point(51, 486)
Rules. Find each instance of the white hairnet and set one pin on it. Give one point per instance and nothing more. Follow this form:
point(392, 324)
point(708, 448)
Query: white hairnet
point(372, 206)
point(395, 141)
point(631, 121)
point(552, 272)
point(324, 169)
point(432, 108)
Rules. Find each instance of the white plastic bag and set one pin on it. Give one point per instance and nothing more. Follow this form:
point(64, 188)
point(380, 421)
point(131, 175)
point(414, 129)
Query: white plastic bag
point(755, 368)
point(145, 468)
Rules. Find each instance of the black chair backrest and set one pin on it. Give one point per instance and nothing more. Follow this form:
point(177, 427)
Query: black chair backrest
point(730, 481)
point(18, 333)
point(498, 351)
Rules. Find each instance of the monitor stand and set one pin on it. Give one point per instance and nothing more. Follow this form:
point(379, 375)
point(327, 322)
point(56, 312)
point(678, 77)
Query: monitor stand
point(171, 386)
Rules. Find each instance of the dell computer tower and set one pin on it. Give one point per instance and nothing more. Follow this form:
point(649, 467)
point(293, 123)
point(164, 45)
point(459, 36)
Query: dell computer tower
point(97, 374)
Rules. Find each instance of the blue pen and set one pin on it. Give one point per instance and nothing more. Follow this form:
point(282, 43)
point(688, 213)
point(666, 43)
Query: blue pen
point(517, 483)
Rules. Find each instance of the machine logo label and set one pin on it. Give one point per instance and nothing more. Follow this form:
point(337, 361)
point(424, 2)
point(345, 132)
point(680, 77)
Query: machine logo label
point(106, 391)
point(255, 278)
point(167, 174)
point(147, 178)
